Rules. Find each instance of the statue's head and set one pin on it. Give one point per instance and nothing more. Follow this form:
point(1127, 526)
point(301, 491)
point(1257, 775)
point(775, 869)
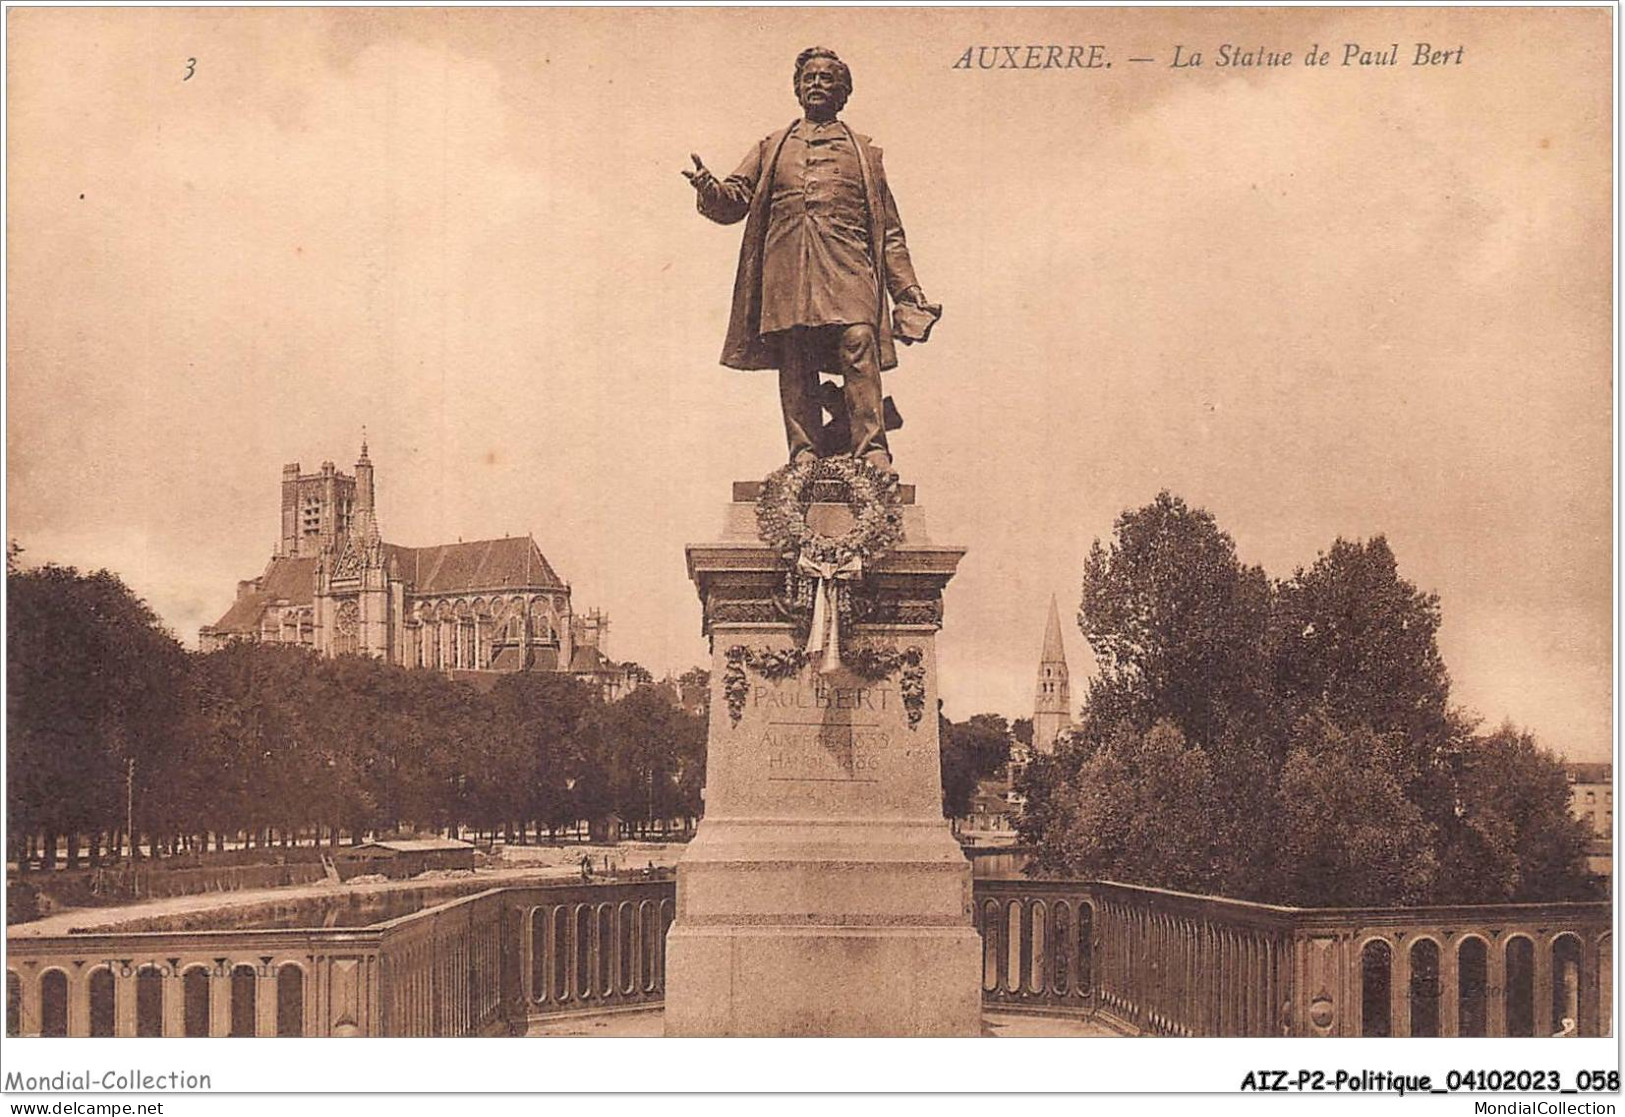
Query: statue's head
point(823, 83)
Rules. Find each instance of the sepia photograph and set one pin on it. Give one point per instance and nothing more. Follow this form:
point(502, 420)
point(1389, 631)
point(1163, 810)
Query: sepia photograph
point(585, 526)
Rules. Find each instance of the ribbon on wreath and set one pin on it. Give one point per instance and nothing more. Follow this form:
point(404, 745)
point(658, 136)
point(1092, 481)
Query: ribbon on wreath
point(825, 636)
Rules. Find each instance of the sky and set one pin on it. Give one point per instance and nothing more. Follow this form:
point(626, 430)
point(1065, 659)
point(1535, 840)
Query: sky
point(1318, 301)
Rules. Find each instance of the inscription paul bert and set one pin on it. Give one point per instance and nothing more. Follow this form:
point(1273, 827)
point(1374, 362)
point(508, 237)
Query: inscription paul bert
point(825, 697)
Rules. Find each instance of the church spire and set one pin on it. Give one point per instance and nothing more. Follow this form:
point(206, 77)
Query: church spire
point(1054, 651)
point(1052, 701)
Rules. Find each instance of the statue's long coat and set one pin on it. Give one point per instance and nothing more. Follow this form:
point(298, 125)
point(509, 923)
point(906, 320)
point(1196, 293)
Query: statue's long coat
point(748, 193)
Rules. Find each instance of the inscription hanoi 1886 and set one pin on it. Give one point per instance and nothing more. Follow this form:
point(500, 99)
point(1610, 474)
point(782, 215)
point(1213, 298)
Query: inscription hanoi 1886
point(824, 753)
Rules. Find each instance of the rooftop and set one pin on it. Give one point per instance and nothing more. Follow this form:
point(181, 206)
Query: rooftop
point(1590, 773)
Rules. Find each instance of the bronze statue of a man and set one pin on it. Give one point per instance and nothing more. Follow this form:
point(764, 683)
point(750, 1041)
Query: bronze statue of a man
point(823, 250)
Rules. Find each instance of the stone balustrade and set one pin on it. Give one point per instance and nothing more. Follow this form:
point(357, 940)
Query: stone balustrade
point(198, 983)
point(440, 972)
point(1141, 960)
point(591, 947)
point(480, 965)
point(1152, 961)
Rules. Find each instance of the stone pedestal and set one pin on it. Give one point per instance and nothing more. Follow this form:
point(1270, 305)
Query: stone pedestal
point(823, 894)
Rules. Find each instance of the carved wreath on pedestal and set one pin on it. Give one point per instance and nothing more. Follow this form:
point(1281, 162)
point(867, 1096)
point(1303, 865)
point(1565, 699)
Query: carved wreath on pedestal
point(822, 570)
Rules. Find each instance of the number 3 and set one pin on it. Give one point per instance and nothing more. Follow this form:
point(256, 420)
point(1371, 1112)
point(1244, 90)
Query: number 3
point(191, 68)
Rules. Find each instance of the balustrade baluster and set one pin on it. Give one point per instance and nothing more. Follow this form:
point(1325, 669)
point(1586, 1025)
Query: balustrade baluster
point(1187, 973)
point(1227, 983)
point(1159, 972)
point(1544, 1024)
point(1271, 996)
point(1399, 988)
point(1154, 971)
point(1250, 983)
point(1247, 986)
point(1134, 978)
point(1449, 987)
point(1238, 983)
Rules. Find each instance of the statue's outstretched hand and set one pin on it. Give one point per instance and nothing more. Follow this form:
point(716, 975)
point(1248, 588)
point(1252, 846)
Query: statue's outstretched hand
point(700, 178)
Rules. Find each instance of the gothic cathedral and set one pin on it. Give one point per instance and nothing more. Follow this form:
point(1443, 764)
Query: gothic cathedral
point(333, 585)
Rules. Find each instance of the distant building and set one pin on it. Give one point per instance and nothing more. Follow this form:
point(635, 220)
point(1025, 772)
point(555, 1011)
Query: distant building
point(1020, 756)
point(399, 858)
point(1052, 701)
point(689, 692)
point(588, 662)
point(333, 585)
point(1591, 800)
point(991, 811)
point(1591, 796)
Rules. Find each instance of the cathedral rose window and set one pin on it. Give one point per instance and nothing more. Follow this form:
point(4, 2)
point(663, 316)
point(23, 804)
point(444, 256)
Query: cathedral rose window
point(345, 626)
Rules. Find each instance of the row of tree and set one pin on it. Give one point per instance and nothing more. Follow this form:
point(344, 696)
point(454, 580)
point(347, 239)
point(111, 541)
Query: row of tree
point(110, 719)
point(113, 724)
point(1290, 741)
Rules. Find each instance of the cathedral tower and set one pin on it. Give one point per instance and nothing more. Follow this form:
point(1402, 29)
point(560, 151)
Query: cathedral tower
point(316, 509)
point(357, 607)
point(1052, 702)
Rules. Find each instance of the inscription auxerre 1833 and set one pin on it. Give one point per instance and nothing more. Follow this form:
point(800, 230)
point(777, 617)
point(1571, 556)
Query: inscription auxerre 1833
point(824, 753)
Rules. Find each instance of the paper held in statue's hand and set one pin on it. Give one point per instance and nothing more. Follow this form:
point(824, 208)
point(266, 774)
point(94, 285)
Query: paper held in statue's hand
point(911, 323)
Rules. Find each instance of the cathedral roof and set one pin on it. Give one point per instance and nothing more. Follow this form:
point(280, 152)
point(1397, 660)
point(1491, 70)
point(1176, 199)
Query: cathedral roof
point(288, 579)
point(485, 564)
point(1054, 650)
point(588, 660)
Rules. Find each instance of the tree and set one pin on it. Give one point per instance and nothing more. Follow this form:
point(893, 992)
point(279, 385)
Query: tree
point(262, 720)
point(972, 751)
point(1136, 809)
point(641, 758)
point(537, 714)
point(1349, 836)
point(958, 771)
point(1516, 841)
point(93, 683)
point(1337, 770)
point(637, 675)
point(1041, 787)
point(1178, 627)
point(985, 738)
point(273, 742)
point(1358, 644)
